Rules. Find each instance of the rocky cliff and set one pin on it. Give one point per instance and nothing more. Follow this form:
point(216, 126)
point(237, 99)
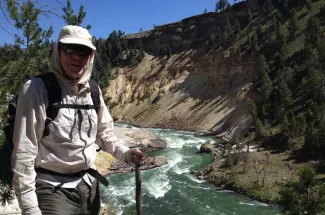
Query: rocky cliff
point(198, 87)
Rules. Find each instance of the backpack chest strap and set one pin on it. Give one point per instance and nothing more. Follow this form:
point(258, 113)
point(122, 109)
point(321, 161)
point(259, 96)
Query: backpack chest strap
point(53, 110)
point(74, 106)
point(55, 97)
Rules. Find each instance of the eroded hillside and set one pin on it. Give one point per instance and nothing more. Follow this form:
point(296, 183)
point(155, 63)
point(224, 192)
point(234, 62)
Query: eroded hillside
point(189, 76)
point(190, 90)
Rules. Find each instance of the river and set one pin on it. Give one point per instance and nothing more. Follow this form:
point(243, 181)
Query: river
point(173, 190)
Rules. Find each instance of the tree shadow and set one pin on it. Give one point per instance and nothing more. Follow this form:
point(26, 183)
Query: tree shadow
point(299, 156)
point(320, 168)
point(277, 143)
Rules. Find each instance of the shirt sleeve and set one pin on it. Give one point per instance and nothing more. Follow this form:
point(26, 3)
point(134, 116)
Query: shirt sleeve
point(106, 137)
point(28, 130)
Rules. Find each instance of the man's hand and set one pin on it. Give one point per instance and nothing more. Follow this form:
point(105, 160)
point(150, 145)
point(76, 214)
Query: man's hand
point(135, 156)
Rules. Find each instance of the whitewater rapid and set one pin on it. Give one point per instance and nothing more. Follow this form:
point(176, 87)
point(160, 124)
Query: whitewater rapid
point(173, 190)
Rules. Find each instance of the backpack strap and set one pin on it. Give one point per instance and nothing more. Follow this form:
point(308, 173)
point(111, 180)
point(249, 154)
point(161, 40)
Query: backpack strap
point(54, 98)
point(95, 95)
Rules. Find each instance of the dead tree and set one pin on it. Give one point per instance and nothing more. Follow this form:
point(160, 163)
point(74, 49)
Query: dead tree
point(255, 164)
point(292, 170)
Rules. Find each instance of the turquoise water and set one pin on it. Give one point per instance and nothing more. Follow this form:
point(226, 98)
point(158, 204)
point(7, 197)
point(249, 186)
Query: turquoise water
point(171, 189)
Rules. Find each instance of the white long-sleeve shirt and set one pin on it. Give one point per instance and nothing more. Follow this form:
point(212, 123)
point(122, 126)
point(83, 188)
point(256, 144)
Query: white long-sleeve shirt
point(70, 146)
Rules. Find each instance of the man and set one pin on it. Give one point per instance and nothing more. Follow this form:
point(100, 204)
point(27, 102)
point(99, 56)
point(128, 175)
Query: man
point(54, 173)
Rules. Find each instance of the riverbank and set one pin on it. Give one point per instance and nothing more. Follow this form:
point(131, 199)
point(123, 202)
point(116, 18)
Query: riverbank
point(263, 175)
point(258, 173)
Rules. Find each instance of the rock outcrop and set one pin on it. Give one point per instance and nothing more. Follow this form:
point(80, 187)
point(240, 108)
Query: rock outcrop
point(188, 91)
point(133, 138)
point(206, 148)
point(148, 163)
point(196, 32)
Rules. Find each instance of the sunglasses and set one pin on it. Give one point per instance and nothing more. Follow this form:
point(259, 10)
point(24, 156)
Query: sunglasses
point(72, 48)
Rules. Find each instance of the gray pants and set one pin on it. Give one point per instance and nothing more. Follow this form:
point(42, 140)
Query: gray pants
point(83, 199)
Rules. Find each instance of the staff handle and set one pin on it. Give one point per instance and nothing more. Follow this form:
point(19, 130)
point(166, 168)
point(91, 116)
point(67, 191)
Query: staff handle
point(138, 189)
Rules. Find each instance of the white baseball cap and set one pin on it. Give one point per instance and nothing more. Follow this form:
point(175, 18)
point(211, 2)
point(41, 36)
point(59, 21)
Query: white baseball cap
point(72, 34)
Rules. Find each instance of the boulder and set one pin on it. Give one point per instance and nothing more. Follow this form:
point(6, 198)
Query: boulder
point(137, 137)
point(200, 177)
point(148, 163)
point(157, 143)
point(156, 161)
point(206, 148)
point(197, 173)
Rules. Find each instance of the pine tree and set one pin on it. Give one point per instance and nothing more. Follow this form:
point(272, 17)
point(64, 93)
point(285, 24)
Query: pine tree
point(261, 67)
point(223, 4)
point(237, 26)
point(253, 4)
point(260, 128)
point(252, 109)
point(72, 19)
point(293, 26)
point(321, 51)
point(307, 196)
point(285, 4)
point(249, 15)
point(285, 127)
point(228, 31)
point(277, 17)
point(266, 87)
point(68, 16)
point(312, 32)
point(301, 124)
point(280, 36)
point(262, 78)
point(34, 40)
point(308, 142)
point(168, 51)
point(255, 42)
point(309, 5)
point(285, 95)
point(28, 56)
point(254, 113)
point(301, 3)
point(228, 7)
point(217, 8)
point(259, 31)
point(315, 75)
point(269, 6)
point(280, 59)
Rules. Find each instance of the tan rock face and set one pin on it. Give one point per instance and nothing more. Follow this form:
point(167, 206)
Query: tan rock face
point(190, 90)
point(184, 79)
point(193, 32)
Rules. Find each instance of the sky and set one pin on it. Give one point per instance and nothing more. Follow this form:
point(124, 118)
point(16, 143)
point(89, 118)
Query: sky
point(125, 15)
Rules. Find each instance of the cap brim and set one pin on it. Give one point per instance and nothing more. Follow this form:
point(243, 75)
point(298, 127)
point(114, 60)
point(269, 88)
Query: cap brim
point(78, 41)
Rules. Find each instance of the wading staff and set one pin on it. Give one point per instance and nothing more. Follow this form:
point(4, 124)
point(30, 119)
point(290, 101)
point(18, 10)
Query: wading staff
point(138, 189)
